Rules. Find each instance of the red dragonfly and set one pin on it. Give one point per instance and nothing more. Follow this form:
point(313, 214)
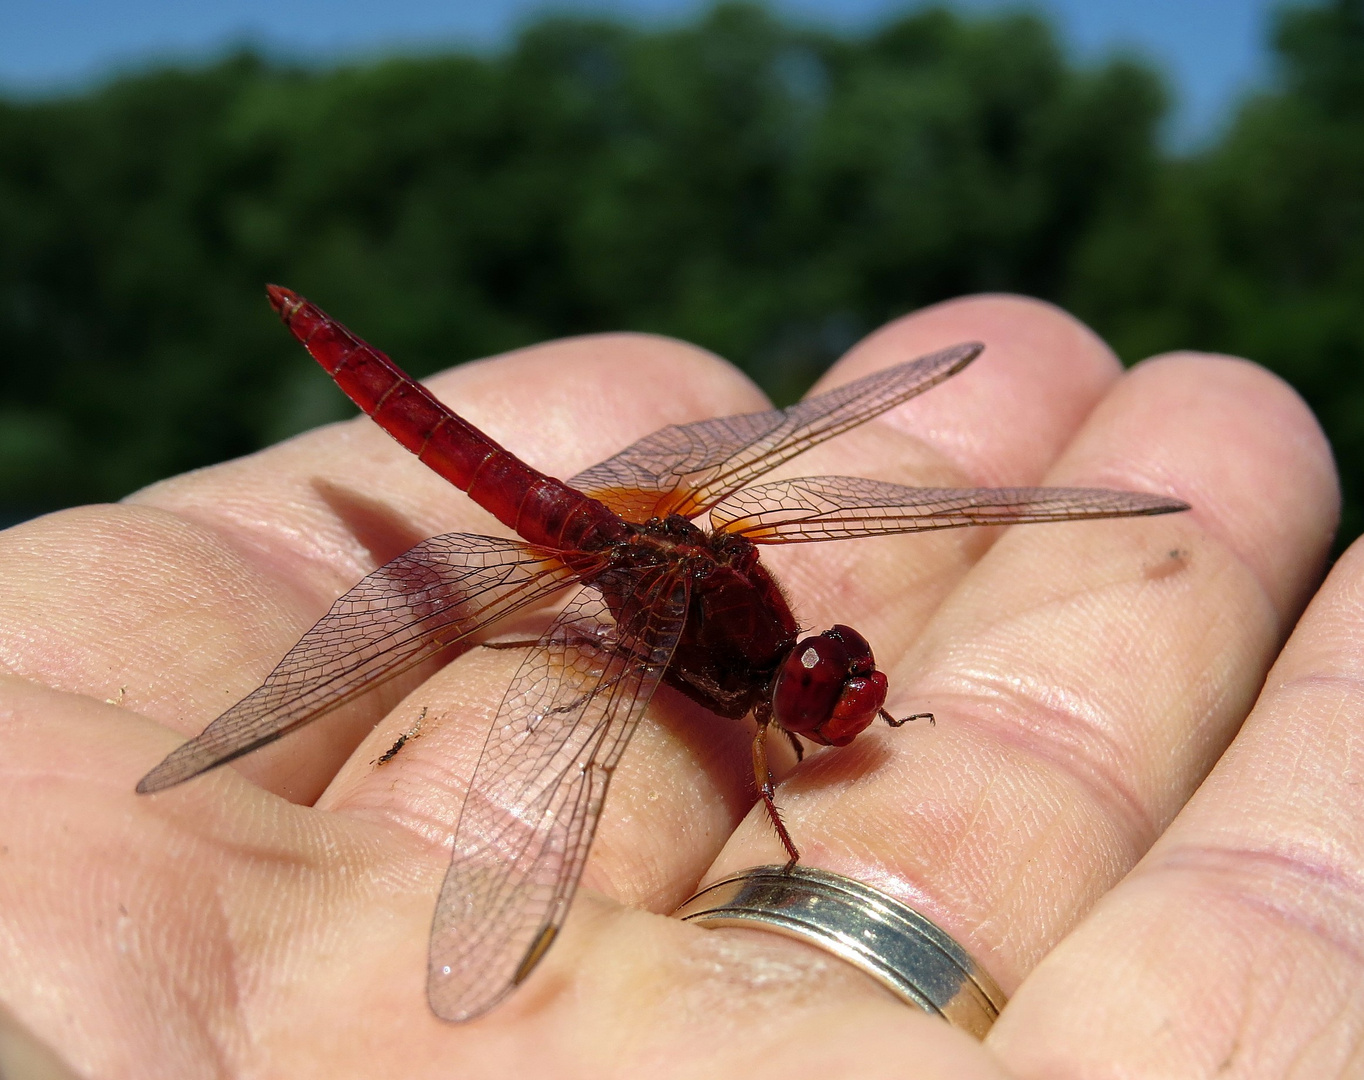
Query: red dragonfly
point(654, 599)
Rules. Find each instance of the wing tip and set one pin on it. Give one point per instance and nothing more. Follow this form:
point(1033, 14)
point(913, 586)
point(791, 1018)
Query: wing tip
point(166, 775)
point(946, 362)
point(1148, 503)
point(1166, 505)
point(963, 353)
point(459, 1007)
point(183, 763)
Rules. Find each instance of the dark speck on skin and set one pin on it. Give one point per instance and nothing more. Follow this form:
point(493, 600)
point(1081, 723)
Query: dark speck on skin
point(1175, 560)
point(411, 733)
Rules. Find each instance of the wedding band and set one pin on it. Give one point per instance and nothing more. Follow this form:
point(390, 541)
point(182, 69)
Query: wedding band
point(897, 946)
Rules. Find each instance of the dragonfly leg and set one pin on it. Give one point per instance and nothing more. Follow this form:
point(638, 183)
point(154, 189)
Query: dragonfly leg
point(583, 698)
point(762, 775)
point(796, 745)
point(578, 639)
point(913, 716)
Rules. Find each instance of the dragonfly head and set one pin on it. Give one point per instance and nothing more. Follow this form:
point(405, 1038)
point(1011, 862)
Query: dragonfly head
point(828, 688)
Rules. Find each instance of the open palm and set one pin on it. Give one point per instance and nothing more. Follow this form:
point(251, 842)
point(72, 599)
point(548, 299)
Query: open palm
point(271, 919)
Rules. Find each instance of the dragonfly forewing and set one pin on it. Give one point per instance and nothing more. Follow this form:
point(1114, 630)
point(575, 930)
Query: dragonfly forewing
point(687, 468)
point(432, 596)
point(845, 507)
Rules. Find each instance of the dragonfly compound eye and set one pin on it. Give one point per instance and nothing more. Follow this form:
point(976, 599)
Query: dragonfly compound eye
point(829, 689)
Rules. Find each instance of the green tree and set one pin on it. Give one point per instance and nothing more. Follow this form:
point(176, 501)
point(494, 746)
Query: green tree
point(766, 190)
point(1256, 246)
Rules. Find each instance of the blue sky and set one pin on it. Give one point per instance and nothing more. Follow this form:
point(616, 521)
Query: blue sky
point(1212, 50)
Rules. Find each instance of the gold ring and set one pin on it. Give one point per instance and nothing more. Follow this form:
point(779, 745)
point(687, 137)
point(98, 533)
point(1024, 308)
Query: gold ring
point(897, 946)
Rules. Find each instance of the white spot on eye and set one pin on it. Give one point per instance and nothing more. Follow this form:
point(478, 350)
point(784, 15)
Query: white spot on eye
point(809, 658)
point(445, 970)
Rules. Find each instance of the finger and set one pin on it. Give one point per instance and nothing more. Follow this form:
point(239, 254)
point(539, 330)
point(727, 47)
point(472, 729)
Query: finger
point(1001, 422)
point(1084, 676)
point(1006, 419)
point(1236, 943)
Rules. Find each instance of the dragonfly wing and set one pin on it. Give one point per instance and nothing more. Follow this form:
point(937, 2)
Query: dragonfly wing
point(537, 792)
point(841, 507)
point(684, 469)
point(426, 599)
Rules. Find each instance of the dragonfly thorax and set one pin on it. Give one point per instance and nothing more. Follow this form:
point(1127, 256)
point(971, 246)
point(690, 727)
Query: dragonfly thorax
point(738, 626)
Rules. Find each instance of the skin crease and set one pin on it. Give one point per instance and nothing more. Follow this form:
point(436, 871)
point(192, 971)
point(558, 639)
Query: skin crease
point(270, 919)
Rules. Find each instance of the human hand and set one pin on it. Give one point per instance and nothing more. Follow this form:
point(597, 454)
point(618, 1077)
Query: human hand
point(270, 919)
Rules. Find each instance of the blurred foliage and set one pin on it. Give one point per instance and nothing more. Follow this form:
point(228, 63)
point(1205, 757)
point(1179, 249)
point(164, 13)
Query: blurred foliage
point(768, 191)
point(1256, 246)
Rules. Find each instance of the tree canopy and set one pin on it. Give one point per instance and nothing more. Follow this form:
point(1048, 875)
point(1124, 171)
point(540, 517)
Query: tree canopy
point(766, 190)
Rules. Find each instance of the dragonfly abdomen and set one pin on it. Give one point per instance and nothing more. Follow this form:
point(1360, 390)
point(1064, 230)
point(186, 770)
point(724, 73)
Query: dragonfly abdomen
point(541, 509)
